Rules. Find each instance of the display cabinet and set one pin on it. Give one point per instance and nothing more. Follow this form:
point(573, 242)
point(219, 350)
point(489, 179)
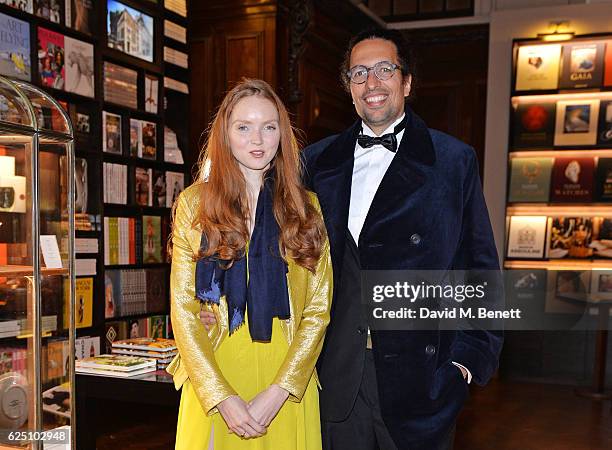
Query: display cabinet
point(37, 282)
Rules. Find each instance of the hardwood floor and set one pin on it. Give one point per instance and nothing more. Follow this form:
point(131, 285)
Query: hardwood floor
point(525, 416)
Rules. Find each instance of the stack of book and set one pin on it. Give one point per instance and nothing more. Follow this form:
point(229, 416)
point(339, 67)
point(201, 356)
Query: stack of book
point(122, 366)
point(162, 350)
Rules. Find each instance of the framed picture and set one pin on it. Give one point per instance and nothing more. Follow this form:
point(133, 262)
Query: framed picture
point(576, 122)
point(129, 30)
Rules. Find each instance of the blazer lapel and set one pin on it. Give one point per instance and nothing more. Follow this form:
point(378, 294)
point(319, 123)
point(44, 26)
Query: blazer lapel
point(407, 173)
point(332, 183)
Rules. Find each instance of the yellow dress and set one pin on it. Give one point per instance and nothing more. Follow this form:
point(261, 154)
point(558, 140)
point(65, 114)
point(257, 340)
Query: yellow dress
point(250, 367)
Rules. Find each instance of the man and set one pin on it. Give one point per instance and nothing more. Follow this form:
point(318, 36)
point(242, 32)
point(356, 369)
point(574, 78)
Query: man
point(396, 195)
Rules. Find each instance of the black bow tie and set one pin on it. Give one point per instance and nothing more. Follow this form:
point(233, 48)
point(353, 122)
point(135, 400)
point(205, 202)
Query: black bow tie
point(389, 141)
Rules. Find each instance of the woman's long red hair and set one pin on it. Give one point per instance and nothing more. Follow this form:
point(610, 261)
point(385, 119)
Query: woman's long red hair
point(223, 211)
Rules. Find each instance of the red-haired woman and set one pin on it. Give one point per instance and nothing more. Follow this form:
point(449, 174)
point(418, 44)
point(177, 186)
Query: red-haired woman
point(249, 244)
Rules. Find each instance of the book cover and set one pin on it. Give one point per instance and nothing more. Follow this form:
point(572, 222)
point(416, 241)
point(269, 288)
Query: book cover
point(81, 191)
point(15, 48)
point(80, 15)
point(530, 179)
point(157, 291)
point(112, 293)
point(158, 356)
point(151, 93)
point(49, 9)
point(538, 67)
point(51, 65)
point(143, 188)
point(157, 327)
point(120, 363)
point(602, 237)
point(572, 180)
point(115, 373)
point(177, 6)
point(55, 360)
point(149, 140)
point(120, 85)
point(83, 307)
point(604, 128)
point(151, 234)
point(576, 122)
point(22, 5)
point(603, 185)
point(159, 188)
point(608, 64)
point(129, 30)
point(582, 65)
point(151, 344)
point(526, 237)
point(111, 129)
point(570, 237)
point(135, 138)
point(175, 183)
point(137, 328)
point(79, 67)
point(534, 123)
point(114, 331)
point(176, 129)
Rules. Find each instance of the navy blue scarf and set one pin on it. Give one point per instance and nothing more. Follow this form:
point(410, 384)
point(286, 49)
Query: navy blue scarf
point(265, 294)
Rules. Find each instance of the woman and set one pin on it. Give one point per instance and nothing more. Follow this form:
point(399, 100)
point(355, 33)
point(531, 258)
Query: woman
point(249, 244)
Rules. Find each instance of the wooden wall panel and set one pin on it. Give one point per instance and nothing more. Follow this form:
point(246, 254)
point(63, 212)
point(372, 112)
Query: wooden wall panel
point(244, 57)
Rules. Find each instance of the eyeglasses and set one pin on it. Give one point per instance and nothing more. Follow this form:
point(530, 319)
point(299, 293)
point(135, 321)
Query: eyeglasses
point(383, 71)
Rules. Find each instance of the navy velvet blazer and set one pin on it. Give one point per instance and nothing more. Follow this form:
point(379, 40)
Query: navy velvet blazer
point(431, 190)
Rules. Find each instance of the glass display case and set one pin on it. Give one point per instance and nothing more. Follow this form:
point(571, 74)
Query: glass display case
point(37, 282)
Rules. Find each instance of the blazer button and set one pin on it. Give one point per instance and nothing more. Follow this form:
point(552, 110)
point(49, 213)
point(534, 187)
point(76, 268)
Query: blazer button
point(430, 349)
point(415, 239)
point(361, 330)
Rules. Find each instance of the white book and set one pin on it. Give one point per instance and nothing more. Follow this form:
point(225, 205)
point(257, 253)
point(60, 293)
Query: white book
point(175, 31)
point(114, 373)
point(526, 237)
point(117, 363)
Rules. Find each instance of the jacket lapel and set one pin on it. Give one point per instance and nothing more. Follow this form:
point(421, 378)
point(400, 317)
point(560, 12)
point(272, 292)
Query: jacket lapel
point(407, 172)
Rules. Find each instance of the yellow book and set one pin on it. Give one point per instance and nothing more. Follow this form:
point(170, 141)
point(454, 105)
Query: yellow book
point(83, 303)
point(537, 67)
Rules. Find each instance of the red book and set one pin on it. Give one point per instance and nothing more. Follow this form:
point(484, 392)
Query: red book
point(572, 180)
point(608, 64)
point(132, 241)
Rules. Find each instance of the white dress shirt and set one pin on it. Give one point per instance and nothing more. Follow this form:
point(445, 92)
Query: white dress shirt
point(369, 168)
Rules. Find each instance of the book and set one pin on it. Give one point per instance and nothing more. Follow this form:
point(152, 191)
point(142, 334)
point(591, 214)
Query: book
point(534, 123)
point(79, 67)
point(115, 191)
point(176, 6)
point(80, 15)
point(81, 180)
point(114, 330)
point(111, 129)
point(572, 179)
point(51, 59)
point(576, 123)
point(130, 30)
point(22, 5)
point(569, 237)
point(604, 128)
point(538, 67)
point(603, 184)
point(15, 48)
point(135, 138)
point(143, 186)
point(149, 140)
point(176, 57)
point(582, 65)
point(120, 85)
point(159, 345)
point(157, 326)
point(116, 373)
point(159, 188)
point(49, 9)
point(530, 179)
point(526, 237)
point(175, 31)
point(83, 308)
point(158, 356)
point(151, 93)
point(175, 184)
point(608, 64)
point(157, 291)
point(117, 363)
point(601, 242)
point(57, 400)
point(152, 242)
point(112, 293)
point(55, 360)
point(137, 328)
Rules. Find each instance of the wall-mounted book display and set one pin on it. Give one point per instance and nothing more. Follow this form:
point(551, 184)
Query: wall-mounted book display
point(559, 203)
point(120, 70)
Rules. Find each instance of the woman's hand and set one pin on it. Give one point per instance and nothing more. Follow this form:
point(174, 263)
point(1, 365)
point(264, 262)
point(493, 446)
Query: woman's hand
point(208, 319)
point(266, 404)
point(239, 420)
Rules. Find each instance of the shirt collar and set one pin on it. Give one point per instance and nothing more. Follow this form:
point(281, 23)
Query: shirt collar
point(368, 131)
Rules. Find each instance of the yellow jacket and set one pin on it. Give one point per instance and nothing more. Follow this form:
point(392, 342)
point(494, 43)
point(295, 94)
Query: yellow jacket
point(309, 300)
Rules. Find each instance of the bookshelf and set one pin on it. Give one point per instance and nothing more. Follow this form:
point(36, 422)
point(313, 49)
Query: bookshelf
point(559, 194)
point(127, 59)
